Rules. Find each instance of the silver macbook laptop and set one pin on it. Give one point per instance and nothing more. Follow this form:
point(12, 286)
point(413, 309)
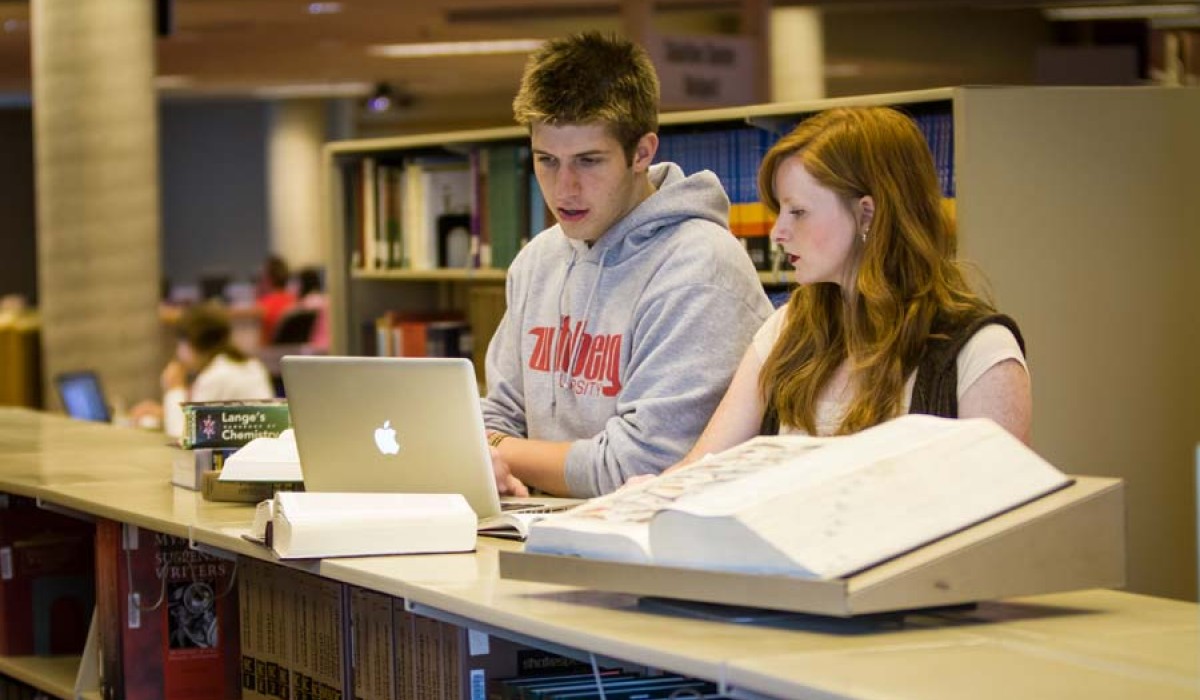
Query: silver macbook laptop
point(393, 424)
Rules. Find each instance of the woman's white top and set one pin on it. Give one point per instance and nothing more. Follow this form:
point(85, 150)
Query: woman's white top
point(990, 346)
point(223, 379)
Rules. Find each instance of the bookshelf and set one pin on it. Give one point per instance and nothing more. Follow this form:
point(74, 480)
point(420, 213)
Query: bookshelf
point(1076, 205)
point(386, 254)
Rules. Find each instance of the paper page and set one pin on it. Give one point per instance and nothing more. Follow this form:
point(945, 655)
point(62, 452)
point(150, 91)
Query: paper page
point(870, 504)
point(639, 503)
point(265, 459)
point(308, 507)
point(513, 526)
point(310, 525)
point(804, 468)
point(908, 500)
point(616, 526)
point(590, 537)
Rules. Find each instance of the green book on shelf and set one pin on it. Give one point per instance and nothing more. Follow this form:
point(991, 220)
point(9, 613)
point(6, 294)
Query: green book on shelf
point(506, 199)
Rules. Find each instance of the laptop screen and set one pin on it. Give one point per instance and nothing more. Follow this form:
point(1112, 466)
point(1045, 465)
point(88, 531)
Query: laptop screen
point(82, 396)
point(392, 425)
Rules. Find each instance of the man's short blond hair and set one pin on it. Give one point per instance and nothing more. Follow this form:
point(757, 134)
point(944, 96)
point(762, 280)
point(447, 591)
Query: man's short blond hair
point(591, 78)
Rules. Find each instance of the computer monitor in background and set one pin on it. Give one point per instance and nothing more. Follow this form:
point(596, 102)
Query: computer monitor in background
point(82, 396)
point(212, 286)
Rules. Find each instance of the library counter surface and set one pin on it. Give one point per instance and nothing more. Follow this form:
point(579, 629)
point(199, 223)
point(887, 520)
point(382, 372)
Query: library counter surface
point(1096, 643)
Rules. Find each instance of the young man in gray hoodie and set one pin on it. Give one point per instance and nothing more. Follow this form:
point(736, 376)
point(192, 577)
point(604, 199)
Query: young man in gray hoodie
point(625, 320)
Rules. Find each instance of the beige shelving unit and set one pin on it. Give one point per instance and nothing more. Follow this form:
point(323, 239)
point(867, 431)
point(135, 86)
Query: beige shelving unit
point(68, 676)
point(1081, 208)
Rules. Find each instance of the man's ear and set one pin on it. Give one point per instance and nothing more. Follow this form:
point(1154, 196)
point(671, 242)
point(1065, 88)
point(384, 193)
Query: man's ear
point(643, 153)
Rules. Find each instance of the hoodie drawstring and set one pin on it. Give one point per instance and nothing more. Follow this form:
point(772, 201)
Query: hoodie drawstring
point(562, 290)
point(587, 309)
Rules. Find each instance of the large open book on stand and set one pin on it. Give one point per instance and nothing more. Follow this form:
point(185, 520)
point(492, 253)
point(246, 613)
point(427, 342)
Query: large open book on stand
point(827, 510)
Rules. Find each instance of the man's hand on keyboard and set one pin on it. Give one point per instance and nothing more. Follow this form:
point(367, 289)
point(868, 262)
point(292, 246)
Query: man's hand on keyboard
point(506, 483)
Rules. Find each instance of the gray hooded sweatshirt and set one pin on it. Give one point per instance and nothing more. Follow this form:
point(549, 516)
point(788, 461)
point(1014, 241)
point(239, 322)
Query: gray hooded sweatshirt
point(626, 347)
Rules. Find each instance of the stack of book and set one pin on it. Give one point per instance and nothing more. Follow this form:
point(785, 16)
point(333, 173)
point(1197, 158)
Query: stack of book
point(212, 432)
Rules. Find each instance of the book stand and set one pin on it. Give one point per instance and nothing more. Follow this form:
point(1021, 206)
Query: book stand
point(1071, 539)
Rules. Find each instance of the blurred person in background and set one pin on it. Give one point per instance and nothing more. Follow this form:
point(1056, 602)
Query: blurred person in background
point(275, 296)
point(207, 367)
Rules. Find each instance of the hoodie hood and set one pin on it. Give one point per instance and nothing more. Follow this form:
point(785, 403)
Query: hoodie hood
point(677, 198)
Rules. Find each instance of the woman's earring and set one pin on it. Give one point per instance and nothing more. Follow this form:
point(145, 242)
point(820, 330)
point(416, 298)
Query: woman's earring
point(863, 235)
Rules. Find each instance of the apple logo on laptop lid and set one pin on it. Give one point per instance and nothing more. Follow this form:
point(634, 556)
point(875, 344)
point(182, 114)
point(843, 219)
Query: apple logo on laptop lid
point(385, 439)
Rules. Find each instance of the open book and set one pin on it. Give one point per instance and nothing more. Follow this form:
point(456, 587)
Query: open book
point(810, 507)
point(514, 524)
point(509, 526)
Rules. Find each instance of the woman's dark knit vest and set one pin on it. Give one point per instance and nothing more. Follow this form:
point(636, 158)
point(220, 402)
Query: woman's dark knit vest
point(935, 391)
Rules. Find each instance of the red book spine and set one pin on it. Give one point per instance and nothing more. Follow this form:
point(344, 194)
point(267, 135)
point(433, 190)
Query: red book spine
point(180, 634)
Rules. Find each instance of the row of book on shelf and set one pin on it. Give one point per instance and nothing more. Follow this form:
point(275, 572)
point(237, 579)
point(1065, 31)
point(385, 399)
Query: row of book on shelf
point(394, 334)
point(208, 627)
point(442, 210)
point(473, 208)
point(320, 638)
point(447, 333)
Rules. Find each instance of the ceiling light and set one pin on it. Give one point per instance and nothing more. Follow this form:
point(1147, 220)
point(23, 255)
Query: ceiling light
point(171, 82)
point(299, 90)
point(454, 48)
point(385, 99)
point(382, 99)
point(1089, 12)
point(324, 8)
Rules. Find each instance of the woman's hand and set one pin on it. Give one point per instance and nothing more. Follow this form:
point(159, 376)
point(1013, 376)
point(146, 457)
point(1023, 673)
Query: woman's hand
point(146, 414)
point(174, 376)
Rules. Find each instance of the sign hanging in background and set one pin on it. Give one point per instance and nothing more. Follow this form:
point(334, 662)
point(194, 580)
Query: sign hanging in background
point(705, 71)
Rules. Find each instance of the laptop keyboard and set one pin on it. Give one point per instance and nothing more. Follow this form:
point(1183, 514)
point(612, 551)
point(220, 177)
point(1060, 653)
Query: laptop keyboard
point(533, 507)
